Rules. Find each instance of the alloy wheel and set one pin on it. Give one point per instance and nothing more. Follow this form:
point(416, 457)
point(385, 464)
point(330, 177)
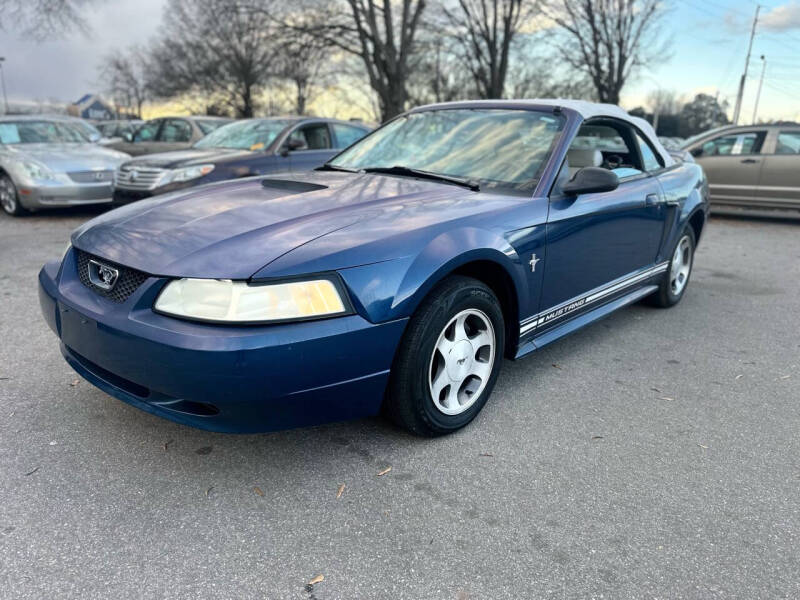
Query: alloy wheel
point(8, 196)
point(462, 361)
point(681, 266)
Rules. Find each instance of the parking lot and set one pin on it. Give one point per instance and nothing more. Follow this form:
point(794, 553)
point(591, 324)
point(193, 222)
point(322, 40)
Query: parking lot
point(653, 455)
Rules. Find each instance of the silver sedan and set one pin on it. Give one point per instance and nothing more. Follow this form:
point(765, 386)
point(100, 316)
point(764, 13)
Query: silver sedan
point(45, 163)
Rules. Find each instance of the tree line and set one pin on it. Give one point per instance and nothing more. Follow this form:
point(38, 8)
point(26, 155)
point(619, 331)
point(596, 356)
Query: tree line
point(248, 57)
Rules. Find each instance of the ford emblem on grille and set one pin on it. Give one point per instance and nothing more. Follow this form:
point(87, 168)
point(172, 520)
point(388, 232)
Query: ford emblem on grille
point(102, 275)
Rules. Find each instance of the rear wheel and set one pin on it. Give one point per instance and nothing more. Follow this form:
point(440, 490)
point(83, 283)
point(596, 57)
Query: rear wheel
point(674, 282)
point(9, 198)
point(449, 359)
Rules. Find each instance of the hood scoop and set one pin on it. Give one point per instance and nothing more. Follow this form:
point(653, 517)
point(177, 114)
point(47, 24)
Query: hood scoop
point(292, 187)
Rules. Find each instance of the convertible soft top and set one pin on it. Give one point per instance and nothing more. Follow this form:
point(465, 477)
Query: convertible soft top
point(586, 109)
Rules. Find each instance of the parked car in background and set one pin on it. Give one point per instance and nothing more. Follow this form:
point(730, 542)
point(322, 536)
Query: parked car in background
point(751, 167)
point(240, 149)
point(396, 276)
point(46, 162)
point(117, 130)
point(169, 133)
point(671, 143)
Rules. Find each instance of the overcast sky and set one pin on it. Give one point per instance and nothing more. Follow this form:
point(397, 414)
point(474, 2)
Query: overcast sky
point(66, 69)
point(708, 47)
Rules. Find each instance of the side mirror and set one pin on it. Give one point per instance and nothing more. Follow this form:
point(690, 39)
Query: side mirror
point(128, 136)
point(591, 180)
point(95, 137)
point(697, 151)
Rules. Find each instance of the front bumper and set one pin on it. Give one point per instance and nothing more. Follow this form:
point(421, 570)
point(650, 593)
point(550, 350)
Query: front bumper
point(52, 196)
point(220, 378)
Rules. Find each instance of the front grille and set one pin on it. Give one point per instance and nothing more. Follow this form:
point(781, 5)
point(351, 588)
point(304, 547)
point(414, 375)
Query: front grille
point(92, 176)
point(138, 178)
point(127, 282)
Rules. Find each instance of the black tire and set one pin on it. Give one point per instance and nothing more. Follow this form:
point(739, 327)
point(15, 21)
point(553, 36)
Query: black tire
point(10, 203)
point(409, 400)
point(666, 295)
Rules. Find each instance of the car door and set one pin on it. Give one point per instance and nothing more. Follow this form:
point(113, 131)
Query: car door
point(599, 239)
point(140, 138)
point(732, 162)
point(779, 181)
point(175, 134)
point(314, 146)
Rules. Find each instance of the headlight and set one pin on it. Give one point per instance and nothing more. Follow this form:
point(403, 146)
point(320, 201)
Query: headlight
point(239, 302)
point(37, 171)
point(186, 174)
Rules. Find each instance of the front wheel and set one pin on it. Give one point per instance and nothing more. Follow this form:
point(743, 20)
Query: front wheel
point(448, 360)
point(674, 282)
point(9, 199)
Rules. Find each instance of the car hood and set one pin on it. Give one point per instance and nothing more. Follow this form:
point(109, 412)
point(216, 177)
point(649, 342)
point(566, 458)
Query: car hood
point(232, 229)
point(65, 158)
point(187, 158)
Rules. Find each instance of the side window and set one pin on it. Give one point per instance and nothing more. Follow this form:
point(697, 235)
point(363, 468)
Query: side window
point(175, 130)
point(649, 158)
point(788, 142)
point(313, 137)
point(606, 146)
point(734, 144)
point(346, 134)
point(147, 132)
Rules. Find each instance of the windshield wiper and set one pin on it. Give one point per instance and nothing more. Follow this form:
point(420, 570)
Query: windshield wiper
point(330, 167)
point(401, 170)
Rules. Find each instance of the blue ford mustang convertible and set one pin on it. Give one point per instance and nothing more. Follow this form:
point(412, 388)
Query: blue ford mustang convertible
point(396, 277)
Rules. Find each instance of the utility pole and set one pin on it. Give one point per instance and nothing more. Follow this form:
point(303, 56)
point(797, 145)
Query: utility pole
point(760, 83)
point(740, 95)
point(3, 79)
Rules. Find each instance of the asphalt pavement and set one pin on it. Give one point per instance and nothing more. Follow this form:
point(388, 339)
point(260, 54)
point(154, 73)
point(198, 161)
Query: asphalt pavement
point(651, 455)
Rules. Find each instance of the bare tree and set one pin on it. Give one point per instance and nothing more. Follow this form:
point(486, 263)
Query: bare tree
point(219, 48)
point(302, 58)
point(43, 18)
point(485, 31)
point(380, 32)
point(664, 102)
point(608, 39)
point(123, 75)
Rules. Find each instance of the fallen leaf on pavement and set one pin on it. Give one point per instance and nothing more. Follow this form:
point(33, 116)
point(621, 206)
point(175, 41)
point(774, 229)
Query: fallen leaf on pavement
point(258, 491)
point(385, 471)
point(656, 390)
point(74, 383)
point(208, 491)
point(597, 437)
point(485, 454)
point(786, 377)
point(703, 447)
point(32, 472)
point(317, 579)
point(668, 399)
point(166, 445)
point(738, 377)
point(556, 366)
point(340, 491)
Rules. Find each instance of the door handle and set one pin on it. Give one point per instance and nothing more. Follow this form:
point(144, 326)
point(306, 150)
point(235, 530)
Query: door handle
point(651, 200)
point(749, 161)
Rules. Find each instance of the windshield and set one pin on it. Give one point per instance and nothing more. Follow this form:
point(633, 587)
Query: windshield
point(244, 135)
point(209, 125)
point(39, 132)
point(497, 147)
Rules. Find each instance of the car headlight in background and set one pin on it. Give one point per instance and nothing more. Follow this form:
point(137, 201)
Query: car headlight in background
point(223, 300)
point(37, 171)
point(186, 174)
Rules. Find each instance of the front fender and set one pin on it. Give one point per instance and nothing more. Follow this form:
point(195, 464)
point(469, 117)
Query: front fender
point(394, 289)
